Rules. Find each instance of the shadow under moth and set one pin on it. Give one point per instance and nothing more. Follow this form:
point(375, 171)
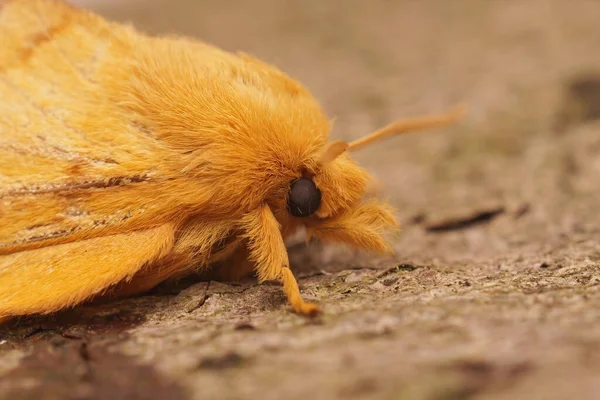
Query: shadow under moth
point(127, 159)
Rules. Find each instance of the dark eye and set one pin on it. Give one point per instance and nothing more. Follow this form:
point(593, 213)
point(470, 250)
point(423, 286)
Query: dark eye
point(304, 198)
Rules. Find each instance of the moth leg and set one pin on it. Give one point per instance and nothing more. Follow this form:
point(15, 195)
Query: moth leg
point(268, 252)
point(235, 266)
point(45, 280)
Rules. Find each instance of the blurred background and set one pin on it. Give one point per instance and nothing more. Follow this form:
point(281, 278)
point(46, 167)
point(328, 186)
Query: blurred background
point(494, 290)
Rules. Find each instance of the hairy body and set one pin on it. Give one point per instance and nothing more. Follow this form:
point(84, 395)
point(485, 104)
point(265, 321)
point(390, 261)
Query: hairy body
point(127, 159)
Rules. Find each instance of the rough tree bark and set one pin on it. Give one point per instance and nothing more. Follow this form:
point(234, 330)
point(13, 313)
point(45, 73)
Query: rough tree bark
point(494, 291)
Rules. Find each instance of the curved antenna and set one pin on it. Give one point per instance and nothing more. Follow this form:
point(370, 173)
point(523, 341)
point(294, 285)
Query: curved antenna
point(407, 125)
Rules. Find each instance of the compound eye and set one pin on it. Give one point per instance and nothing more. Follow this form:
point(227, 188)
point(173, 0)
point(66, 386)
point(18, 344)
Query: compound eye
point(304, 198)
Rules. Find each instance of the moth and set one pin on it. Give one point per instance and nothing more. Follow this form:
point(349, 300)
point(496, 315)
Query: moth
point(127, 159)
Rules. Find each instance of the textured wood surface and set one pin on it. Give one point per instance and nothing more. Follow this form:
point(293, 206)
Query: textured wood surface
point(495, 289)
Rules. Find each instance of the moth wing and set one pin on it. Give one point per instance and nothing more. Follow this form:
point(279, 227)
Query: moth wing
point(74, 164)
point(55, 277)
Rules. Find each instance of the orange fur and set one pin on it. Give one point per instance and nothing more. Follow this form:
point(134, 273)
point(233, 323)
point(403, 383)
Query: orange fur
point(48, 279)
point(126, 159)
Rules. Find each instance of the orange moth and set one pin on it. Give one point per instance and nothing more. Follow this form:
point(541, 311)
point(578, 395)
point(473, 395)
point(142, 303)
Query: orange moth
point(126, 160)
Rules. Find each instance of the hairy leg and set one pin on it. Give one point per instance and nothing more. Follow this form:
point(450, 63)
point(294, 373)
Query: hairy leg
point(267, 250)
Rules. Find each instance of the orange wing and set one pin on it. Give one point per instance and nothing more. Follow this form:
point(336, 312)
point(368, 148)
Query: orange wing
point(52, 278)
point(85, 201)
point(73, 165)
